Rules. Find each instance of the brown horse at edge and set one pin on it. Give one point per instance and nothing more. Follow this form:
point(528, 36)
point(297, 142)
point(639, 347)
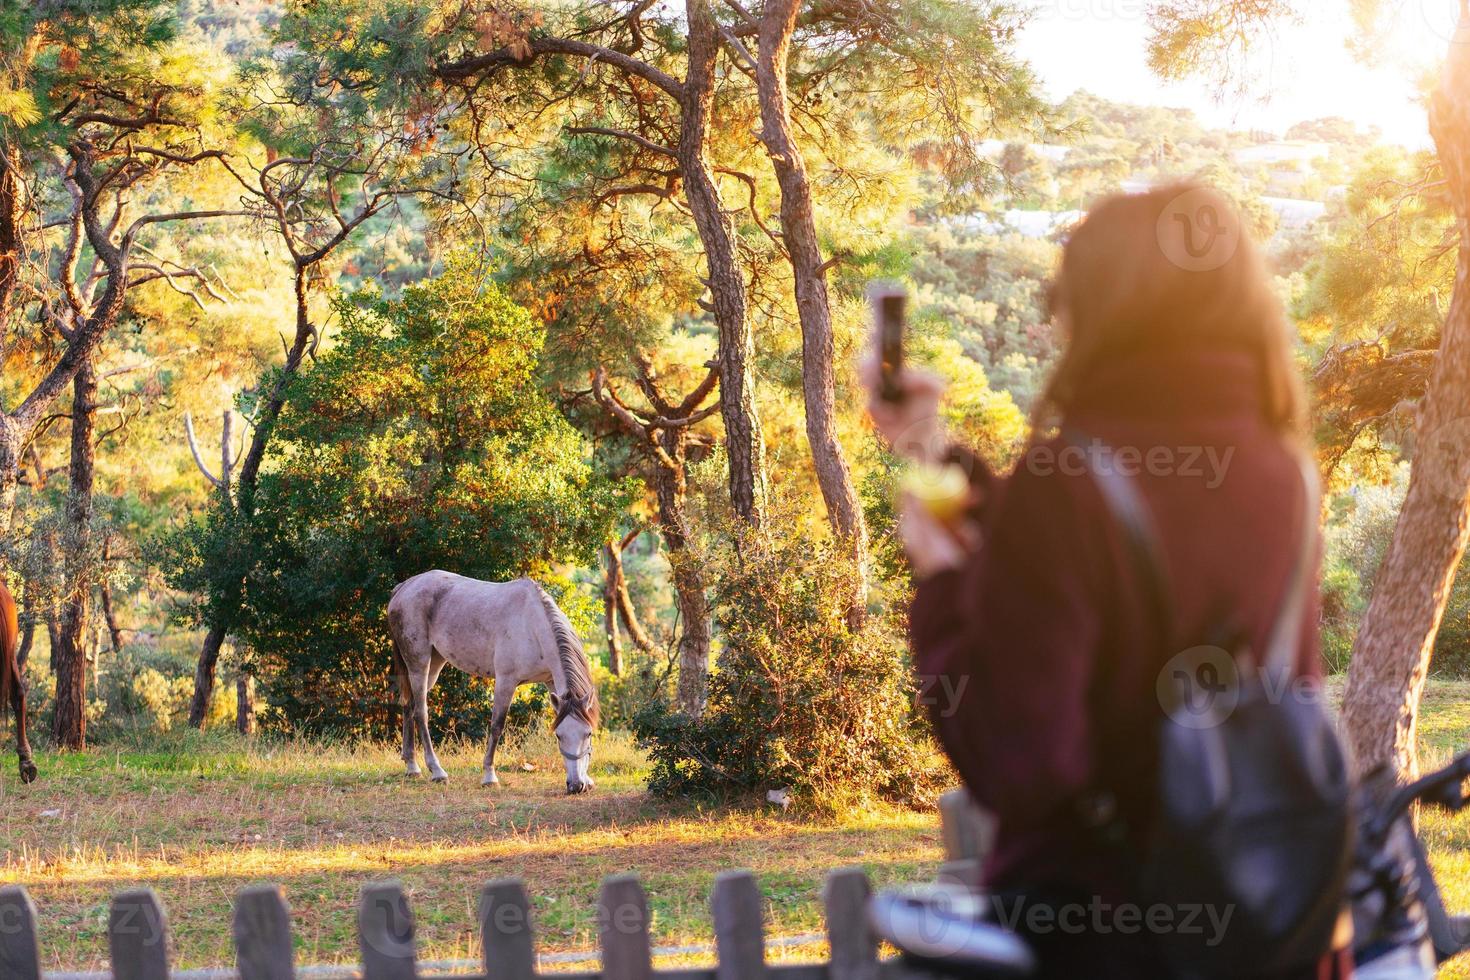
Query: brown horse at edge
point(12, 689)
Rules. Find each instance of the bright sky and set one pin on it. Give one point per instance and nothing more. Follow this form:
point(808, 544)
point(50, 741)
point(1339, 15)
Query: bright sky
point(1304, 72)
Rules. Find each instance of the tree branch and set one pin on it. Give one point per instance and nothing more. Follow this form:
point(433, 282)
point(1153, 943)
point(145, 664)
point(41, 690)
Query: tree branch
point(198, 458)
point(621, 134)
point(506, 56)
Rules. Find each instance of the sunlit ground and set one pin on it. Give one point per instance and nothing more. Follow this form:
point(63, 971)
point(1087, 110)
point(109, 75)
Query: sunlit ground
point(1444, 730)
point(198, 818)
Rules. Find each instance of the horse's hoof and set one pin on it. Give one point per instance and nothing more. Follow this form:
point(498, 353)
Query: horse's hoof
point(28, 771)
point(441, 777)
point(491, 780)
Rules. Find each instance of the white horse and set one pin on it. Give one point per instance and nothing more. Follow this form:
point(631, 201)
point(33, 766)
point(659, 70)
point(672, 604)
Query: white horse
point(511, 631)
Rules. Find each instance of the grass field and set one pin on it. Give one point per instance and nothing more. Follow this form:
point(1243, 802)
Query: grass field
point(199, 817)
point(196, 817)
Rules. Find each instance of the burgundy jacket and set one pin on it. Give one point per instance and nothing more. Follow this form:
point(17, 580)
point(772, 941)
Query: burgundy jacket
point(1041, 658)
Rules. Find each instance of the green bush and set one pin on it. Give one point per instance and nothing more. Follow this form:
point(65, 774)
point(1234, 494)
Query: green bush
point(797, 700)
point(422, 439)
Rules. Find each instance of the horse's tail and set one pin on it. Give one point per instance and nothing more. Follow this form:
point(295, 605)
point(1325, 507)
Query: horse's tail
point(400, 665)
point(573, 658)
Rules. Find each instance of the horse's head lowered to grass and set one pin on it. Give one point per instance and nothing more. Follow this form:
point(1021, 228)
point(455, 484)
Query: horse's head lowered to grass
point(574, 724)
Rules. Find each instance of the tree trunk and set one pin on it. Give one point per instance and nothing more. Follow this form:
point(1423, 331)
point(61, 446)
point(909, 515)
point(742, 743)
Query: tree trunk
point(11, 252)
point(624, 601)
point(109, 615)
point(1391, 655)
point(69, 723)
point(204, 672)
point(744, 443)
point(270, 409)
point(12, 193)
point(813, 305)
point(671, 487)
point(228, 603)
point(10, 450)
point(53, 637)
point(16, 427)
point(245, 702)
point(27, 641)
point(610, 608)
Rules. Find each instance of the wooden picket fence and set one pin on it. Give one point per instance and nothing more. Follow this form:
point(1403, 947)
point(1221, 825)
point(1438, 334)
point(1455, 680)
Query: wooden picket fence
point(137, 928)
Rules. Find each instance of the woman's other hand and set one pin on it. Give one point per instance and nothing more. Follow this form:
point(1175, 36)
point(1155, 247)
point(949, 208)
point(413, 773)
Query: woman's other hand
point(934, 545)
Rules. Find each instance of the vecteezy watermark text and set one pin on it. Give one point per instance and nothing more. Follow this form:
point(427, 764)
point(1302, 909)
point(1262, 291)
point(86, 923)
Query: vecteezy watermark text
point(1207, 463)
point(1092, 10)
point(941, 692)
point(1102, 918)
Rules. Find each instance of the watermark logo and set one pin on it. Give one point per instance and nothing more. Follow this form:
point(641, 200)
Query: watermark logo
point(1445, 20)
point(1200, 687)
point(1195, 234)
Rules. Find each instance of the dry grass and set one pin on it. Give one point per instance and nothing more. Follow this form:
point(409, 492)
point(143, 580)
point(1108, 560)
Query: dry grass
point(199, 817)
point(1444, 731)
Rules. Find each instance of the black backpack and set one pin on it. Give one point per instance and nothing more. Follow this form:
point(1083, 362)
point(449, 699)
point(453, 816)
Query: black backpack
point(1253, 810)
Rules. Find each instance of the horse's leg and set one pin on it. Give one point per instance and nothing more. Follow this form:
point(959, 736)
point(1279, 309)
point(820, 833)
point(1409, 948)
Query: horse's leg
point(505, 691)
point(22, 743)
point(405, 703)
point(420, 682)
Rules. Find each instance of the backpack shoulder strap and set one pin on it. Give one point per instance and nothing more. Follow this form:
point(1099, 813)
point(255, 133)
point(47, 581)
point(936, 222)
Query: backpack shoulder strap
point(1130, 513)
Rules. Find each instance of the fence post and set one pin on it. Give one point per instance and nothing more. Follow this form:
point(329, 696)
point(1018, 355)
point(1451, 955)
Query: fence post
point(740, 934)
point(505, 931)
point(20, 950)
point(137, 936)
point(968, 833)
point(263, 934)
point(622, 912)
point(385, 933)
point(854, 947)
point(968, 830)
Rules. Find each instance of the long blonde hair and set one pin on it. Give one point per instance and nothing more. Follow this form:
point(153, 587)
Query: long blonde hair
point(1170, 268)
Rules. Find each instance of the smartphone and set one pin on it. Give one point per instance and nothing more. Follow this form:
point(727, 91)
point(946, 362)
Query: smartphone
point(890, 302)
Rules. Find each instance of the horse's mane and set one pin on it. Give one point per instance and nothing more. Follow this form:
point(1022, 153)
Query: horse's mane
point(574, 665)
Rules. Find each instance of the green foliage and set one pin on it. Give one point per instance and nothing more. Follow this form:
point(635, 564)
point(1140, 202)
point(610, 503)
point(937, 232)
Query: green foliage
point(108, 63)
point(990, 292)
point(1357, 540)
point(798, 700)
point(421, 440)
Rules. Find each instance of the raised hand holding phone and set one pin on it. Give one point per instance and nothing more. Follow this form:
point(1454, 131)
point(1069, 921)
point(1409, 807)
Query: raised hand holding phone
point(904, 404)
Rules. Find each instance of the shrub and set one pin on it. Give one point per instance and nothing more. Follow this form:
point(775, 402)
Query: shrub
point(797, 700)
